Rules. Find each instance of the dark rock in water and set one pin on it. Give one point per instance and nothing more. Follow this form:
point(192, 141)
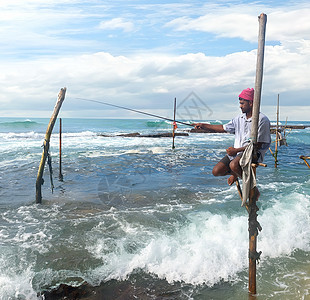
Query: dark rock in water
point(282, 127)
point(136, 286)
point(134, 134)
point(295, 126)
point(64, 291)
point(154, 135)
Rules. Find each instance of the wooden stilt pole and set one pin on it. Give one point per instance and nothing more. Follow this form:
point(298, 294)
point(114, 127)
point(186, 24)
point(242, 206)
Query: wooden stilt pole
point(253, 223)
point(277, 137)
point(174, 123)
point(39, 182)
point(60, 150)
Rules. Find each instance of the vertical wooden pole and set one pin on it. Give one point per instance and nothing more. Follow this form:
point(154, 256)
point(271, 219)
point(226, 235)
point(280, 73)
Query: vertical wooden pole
point(174, 123)
point(253, 224)
point(39, 182)
point(60, 150)
point(259, 76)
point(277, 136)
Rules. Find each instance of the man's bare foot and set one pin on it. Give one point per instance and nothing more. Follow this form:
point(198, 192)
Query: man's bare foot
point(231, 179)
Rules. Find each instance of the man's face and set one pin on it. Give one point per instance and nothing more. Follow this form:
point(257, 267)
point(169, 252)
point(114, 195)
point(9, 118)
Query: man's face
point(246, 106)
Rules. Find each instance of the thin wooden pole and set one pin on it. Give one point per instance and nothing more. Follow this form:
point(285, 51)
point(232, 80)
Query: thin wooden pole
point(277, 128)
point(39, 182)
point(60, 150)
point(259, 76)
point(284, 133)
point(277, 136)
point(253, 224)
point(174, 123)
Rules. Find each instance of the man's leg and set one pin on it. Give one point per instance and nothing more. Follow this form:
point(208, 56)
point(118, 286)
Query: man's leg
point(222, 167)
point(236, 170)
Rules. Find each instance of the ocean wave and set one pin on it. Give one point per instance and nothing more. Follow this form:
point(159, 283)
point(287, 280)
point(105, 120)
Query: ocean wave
point(167, 256)
point(18, 284)
point(217, 122)
point(18, 124)
point(87, 133)
point(38, 135)
point(200, 240)
point(21, 135)
point(159, 123)
point(284, 228)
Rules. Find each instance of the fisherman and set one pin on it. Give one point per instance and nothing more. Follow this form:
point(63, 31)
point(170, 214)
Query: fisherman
point(240, 126)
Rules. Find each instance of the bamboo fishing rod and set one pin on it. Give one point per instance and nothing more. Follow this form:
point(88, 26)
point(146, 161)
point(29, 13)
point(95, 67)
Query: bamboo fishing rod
point(135, 110)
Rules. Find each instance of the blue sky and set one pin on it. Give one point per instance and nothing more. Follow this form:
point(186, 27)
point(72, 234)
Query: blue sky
point(143, 54)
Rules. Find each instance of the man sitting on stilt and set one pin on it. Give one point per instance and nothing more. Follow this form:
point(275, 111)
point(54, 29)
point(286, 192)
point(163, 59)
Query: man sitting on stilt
point(240, 126)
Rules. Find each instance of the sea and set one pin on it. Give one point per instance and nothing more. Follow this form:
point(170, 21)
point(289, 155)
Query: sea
point(135, 210)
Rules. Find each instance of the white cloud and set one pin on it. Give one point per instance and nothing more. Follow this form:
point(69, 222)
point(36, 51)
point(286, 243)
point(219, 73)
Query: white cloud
point(151, 81)
point(146, 79)
point(240, 21)
point(289, 24)
point(117, 23)
point(229, 25)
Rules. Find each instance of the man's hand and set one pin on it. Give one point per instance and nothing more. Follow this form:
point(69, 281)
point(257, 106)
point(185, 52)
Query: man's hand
point(232, 151)
point(198, 125)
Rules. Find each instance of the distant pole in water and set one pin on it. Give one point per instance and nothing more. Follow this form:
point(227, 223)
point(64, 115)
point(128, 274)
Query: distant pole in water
point(174, 125)
point(254, 226)
point(46, 143)
point(277, 136)
point(61, 178)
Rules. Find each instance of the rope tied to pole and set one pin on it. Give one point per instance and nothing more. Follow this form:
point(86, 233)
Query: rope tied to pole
point(175, 126)
point(255, 255)
point(49, 162)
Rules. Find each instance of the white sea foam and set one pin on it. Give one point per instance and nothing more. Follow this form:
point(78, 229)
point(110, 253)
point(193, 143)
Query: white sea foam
point(208, 249)
point(286, 226)
point(132, 151)
point(31, 240)
point(21, 135)
point(86, 133)
point(18, 285)
point(276, 186)
point(158, 150)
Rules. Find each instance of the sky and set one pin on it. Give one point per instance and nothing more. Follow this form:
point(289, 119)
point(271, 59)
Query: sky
point(143, 54)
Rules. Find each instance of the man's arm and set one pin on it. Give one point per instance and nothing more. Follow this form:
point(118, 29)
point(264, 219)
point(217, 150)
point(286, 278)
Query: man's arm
point(214, 128)
point(233, 151)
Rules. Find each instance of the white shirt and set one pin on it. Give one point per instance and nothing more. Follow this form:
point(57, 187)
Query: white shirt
point(240, 126)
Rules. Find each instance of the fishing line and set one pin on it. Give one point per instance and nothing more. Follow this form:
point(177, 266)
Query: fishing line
point(134, 110)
